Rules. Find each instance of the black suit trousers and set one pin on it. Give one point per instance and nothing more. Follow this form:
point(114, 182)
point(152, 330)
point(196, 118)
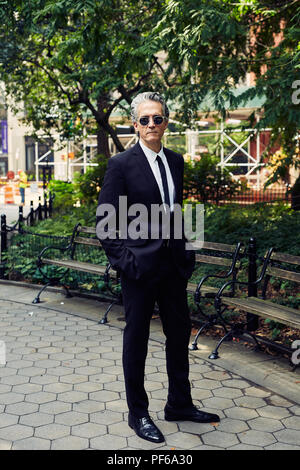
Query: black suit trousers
point(168, 289)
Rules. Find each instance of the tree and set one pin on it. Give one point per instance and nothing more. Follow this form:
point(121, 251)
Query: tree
point(73, 57)
point(212, 45)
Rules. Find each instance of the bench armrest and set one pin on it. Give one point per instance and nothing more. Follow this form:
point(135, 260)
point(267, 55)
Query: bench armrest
point(51, 247)
point(197, 294)
point(244, 283)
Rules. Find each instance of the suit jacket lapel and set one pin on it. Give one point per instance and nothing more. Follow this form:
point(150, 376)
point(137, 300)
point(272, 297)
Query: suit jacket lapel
point(175, 175)
point(143, 163)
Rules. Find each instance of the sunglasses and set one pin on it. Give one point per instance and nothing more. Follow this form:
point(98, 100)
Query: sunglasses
point(144, 121)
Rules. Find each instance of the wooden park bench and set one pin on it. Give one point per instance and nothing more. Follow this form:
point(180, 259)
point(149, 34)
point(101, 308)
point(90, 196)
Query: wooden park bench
point(81, 236)
point(276, 265)
point(220, 255)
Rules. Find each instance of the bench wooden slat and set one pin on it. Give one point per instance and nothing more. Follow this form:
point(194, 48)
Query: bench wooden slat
point(286, 258)
point(267, 309)
point(191, 287)
point(78, 265)
point(213, 260)
point(284, 274)
point(214, 246)
point(86, 229)
point(88, 241)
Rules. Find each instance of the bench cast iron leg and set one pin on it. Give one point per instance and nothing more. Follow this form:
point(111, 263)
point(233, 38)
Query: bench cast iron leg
point(37, 299)
point(104, 318)
point(193, 346)
point(215, 354)
point(68, 293)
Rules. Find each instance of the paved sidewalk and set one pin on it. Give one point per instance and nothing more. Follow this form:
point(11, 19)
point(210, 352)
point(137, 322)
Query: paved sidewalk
point(62, 385)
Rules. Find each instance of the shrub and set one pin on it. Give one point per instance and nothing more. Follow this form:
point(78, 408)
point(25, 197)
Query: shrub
point(205, 181)
point(88, 185)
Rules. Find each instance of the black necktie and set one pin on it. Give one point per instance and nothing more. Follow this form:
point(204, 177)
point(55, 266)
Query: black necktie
point(164, 179)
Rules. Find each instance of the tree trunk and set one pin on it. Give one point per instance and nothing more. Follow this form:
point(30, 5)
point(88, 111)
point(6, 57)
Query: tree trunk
point(102, 142)
point(105, 130)
point(295, 192)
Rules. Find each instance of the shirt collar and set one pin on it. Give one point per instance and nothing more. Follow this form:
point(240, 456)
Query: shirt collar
point(150, 154)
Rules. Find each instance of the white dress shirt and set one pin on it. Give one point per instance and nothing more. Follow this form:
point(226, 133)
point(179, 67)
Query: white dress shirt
point(151, 157)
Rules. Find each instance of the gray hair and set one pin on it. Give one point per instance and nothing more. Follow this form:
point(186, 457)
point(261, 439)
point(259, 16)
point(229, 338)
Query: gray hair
point(146, 96)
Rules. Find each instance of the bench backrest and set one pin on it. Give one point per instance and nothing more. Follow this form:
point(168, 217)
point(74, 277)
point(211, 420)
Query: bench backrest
point(86, 240)
point(209, 258)
point(284, 272)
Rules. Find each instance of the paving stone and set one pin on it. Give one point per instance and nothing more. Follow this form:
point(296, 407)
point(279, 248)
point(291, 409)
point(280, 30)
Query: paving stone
point(15, 432)
point(218, 402)
point(70, 443)
point(257, 438)
point(6, 388)
point(102, 378)
point(257, 392)
point(232, 425)
point(59, 371)
point(281, 446)
point(72, 397)
point(40, 397)
point(217, 375)
point(44, 379)
point(11, 397)
point(138, 443)
point(265, 424)
point(8, 420)
point(245, 447)
point(120, 429)
point(27, 388)
point(220, 439)
point(74, 378)
point(106, 442)
point(106, 417)
point(55, 407)
point(183, 440)
point(89, 430)
point(32, 371)
point(195, 428)
point(71, 418)
point(52, 431)
point(5, 445)
point(15, 380)
point(295, 409)
point(240, 413)
point(21, 408)
point(6, 371)
point(250, 402)
point(104, 395)
point(32, 443)
point(276, 400)
point(58, 387)
point(208, 384)
point(235, 383)
point(227, 392)
point(88, 406)
point(288, 436)
point(36, 419)
point(293, 422)
point(21, 364)
point(274, 412)
point(117, 405)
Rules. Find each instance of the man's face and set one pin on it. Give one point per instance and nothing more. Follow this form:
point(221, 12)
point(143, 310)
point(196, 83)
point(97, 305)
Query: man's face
point(152, 133)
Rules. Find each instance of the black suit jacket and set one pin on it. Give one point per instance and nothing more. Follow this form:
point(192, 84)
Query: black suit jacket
point(129, 174)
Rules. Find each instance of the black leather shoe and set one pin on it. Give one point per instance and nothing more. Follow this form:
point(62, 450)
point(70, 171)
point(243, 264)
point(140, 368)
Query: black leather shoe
point(145, 428)
point(190, 414)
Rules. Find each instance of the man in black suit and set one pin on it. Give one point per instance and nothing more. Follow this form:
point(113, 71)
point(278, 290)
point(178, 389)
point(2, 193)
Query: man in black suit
point(154, 266)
